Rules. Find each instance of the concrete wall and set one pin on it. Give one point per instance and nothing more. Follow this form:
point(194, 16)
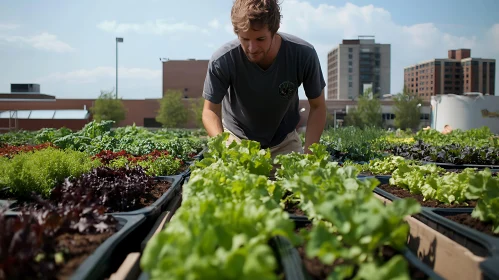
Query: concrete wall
point(465, 112)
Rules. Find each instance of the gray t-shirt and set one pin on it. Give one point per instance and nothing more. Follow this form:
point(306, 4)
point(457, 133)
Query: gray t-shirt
point(263, 105)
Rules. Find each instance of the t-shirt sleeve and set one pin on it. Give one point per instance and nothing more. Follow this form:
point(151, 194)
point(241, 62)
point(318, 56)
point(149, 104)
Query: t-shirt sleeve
point(216, 82)
point(313, 79)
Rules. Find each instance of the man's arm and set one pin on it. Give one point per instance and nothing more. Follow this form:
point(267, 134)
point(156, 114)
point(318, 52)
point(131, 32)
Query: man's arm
point(316, 121)
point(212, 118)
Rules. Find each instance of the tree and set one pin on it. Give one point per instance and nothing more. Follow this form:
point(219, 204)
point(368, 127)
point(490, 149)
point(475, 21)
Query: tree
point(172, 112)
point(367, 113)
point(407, 110)
point(196, 109)
point(107, 107)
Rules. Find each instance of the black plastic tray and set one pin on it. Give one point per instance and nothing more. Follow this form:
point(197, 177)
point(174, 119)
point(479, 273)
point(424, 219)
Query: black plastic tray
point(490, 268)
point(152, 211)
point(99, 263)
point(446, 165)
point(200, 155)
point(168, 213)
point(479, 243)
point(292, 261)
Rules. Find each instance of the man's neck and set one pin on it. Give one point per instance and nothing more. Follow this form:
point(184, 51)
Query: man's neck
point(272, 54)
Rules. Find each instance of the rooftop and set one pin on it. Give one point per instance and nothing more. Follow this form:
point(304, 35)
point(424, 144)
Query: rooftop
point(45, 114)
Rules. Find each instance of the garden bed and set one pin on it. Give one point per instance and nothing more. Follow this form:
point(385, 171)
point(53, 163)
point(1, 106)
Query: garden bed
point(467, 220)
point(313, 268)
point(399, 192)
point(62, 244)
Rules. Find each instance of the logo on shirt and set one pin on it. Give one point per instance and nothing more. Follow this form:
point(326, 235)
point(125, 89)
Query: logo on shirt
point(287, 89)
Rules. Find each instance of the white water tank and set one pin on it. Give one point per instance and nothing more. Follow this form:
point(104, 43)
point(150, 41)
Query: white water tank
point(468, 111)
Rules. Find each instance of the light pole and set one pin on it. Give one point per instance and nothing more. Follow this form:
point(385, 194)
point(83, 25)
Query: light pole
point(118, 40)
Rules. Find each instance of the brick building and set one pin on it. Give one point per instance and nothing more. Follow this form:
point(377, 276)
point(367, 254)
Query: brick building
point(457, 74)
point(186, 76)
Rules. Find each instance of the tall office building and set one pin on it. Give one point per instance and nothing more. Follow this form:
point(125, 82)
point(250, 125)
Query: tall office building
point(457, 74)
point(356, 65)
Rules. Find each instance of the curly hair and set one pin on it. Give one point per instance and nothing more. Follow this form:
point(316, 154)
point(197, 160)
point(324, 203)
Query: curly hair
point(246, 13)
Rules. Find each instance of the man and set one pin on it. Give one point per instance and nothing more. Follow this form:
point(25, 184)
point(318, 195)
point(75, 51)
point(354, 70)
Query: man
point(251, 87)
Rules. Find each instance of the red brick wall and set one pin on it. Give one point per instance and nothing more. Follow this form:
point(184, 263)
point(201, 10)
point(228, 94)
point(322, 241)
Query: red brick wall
point(39, 124)
point(136, 111)
point(185, 75)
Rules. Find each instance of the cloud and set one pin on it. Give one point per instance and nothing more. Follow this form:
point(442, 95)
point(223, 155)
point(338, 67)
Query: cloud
point(43, 41)
point(214, 24)
point(325, 26)
point(84, 76)
point(210, 45)
point(229, 28)
point(156, 27)
point(8, 26)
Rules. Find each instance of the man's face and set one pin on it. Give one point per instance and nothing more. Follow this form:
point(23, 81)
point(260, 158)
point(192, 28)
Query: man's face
point(256, 42)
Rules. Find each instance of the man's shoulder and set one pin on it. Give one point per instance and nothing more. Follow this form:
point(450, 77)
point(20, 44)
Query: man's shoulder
point(296, 42)
point(225, 50)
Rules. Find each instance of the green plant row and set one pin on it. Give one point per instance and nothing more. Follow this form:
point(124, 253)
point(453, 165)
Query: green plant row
point(227, 218)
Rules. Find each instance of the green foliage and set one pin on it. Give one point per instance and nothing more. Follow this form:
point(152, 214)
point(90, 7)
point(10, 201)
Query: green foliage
point(345, 229)
point(172, 112)
point(161, 166)
point(40, 171)
point(225, 223)
point(17, 138)
point(196, 110)
point(406, 110)
point(485, 188)
point(107, 107)
point(353, 143)
point(367, 113)
point(478, 137)
point(247, 155)
point(45, 135)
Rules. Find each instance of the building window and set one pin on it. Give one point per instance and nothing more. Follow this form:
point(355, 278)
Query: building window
point(350, 49)
point(349, 77)
point(350, 63)
point(350, 84)
point(350, 56)
point(350, 70)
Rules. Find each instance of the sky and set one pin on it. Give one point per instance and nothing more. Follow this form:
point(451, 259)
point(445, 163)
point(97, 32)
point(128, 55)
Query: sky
point(69, 48)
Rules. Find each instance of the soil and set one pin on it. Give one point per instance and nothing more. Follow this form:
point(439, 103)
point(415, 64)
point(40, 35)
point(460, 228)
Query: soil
point(319, 270)
point(467, 220)
point(403, 193)
point(78, 248)
point(145, 200)
point(366, 173)
point(294, 209)
point(149, 198)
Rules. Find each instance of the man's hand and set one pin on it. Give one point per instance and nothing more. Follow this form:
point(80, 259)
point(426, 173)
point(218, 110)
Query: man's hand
point(316, 121)
point(212, 118)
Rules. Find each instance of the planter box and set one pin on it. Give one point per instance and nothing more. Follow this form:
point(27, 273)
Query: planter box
point(461, 166)
point(479, 243)
point(200, 156)
point(292, 263)
point(455, 251)
point(97, 265)
point(100, 263)
point(163, 218)
point(153, 211)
